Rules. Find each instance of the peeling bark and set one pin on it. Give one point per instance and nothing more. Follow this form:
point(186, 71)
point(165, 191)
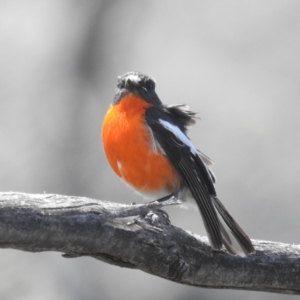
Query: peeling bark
point(141, 237)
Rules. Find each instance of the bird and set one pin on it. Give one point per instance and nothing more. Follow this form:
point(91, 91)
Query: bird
point(146, 144)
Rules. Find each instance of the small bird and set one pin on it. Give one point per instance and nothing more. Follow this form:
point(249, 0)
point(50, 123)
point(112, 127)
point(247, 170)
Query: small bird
point(146, 145)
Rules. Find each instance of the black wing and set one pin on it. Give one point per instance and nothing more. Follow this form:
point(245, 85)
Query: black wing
point(195, 175)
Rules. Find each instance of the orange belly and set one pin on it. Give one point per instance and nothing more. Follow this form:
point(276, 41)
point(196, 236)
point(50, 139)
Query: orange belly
point(128, 148)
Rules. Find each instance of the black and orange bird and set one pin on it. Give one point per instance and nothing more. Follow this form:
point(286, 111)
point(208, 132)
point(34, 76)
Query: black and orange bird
point(146, 145)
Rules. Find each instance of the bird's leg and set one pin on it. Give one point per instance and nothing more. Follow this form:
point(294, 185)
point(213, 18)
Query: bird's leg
point(165, 198)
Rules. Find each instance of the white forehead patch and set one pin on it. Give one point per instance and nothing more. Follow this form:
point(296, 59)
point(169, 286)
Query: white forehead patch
point(179, 134)
point(135, 78)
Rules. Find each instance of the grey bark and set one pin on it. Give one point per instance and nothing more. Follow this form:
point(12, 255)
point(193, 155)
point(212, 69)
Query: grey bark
point(141, 237)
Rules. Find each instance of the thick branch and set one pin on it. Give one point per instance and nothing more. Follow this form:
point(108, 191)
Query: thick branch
point(141, 236)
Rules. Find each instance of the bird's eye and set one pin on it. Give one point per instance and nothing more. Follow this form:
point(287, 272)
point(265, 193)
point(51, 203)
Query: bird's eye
point(121, 83)
point(149, 84)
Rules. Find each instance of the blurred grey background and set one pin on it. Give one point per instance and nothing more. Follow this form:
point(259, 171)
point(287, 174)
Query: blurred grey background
point(234, 62)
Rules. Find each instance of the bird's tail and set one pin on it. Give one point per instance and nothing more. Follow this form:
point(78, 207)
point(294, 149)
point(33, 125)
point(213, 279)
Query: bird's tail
point(234, 238)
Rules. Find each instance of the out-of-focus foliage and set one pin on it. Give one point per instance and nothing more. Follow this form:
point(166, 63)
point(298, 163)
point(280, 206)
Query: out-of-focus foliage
point(234, 62)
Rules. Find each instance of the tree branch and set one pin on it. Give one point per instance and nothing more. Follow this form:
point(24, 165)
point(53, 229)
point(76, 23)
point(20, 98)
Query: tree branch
point(142, 237)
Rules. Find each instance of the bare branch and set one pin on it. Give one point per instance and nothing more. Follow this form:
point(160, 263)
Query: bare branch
point(141, 236)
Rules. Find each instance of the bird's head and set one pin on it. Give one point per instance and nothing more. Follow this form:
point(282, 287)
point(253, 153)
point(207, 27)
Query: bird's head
point(137, 83)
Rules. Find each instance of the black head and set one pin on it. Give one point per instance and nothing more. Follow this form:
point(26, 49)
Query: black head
point(137, 83)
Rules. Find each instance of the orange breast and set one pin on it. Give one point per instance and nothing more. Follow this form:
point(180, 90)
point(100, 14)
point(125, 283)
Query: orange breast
point(128, 148)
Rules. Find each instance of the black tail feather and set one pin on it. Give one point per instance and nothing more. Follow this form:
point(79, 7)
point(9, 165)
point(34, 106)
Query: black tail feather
point(237, 232)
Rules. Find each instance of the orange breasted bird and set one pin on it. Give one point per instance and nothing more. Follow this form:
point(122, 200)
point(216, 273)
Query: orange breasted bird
point(146, 145)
